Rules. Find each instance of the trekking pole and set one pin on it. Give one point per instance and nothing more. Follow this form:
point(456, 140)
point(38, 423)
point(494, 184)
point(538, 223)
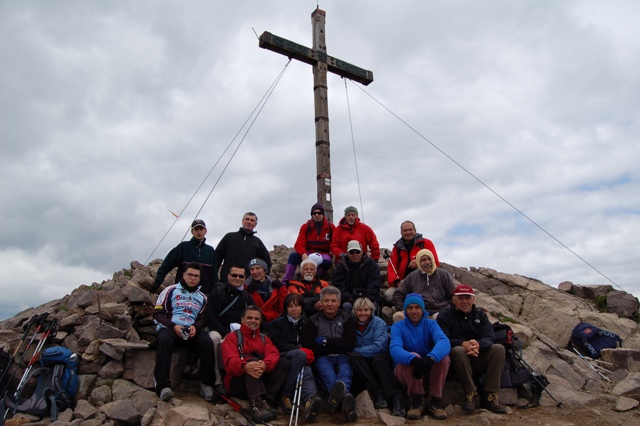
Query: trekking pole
point(582, 357)
point(49, 328)
point(296, 397)
point(36, 319)
point(387, 256)
point(26, 328)
point(538, 381)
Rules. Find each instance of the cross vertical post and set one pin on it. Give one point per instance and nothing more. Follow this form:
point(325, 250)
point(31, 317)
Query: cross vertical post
point(322, 63)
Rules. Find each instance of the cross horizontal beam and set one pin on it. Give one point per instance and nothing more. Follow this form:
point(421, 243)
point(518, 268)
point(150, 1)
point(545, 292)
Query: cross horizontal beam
point(304, 54)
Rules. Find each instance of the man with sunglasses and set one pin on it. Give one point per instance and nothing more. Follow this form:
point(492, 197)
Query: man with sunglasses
point(227, 301)
point(314, 237)
point(356, 275)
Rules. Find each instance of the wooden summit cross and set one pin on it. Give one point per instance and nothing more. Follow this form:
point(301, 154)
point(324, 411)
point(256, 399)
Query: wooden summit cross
point(321, 62)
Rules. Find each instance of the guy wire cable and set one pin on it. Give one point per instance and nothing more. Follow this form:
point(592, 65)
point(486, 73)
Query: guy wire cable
point(262, 102)
point(353, 143)
point(490, 189)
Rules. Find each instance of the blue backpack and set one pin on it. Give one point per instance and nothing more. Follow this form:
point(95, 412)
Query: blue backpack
point(589, 340)
point(56, 387)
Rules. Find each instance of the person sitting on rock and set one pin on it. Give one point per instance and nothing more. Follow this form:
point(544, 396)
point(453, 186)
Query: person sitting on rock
point(434, 284)
point(255, 370)
point(420, 350)
point(350, 228)
point(180, 318)
point(286, 333)
point(370, 359)
point(314, 237)
point(267, 294)
point(308, 285)
point(225, 306)
point(331, 335)
point(473, 349)
point(357, 275)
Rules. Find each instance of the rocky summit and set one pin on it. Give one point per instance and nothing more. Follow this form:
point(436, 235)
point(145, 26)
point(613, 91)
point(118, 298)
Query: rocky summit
point(109, 326)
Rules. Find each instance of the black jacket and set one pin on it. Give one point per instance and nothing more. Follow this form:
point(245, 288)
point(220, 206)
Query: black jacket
point(190, 251)
point(460, 327)
point(356, 280)
point(286, 335)
point(220, 297)
point(237, 249)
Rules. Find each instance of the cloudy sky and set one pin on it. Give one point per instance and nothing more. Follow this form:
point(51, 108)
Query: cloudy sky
point(113, 113)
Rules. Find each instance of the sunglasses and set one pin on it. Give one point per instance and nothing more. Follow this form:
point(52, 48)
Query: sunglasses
point(236, 275)
point(354, 251)
point(317, 213)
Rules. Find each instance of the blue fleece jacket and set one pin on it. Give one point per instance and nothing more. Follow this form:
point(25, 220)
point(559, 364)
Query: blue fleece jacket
point(425, 338)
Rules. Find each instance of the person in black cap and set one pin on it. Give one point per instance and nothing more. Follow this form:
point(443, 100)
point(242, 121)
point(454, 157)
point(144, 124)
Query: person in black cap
point(194, 250)
point(314, 237)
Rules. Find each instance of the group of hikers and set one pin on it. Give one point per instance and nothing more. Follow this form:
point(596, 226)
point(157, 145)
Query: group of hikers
point(286, 342)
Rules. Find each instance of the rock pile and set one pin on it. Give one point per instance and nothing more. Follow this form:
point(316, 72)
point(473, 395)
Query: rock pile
point(109, 326)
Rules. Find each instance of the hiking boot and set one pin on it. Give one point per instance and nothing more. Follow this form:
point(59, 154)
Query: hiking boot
point(207, 392)
point(220, 390)
point(311, 408)
point(469, 404)
point(417, 406)
point(166, 394)
point(436, 409)
point(337, 394)
point(349, 408)
point(491, 403)
point(258, 410)
point(270, 406)
point(286, 404)
point(397, 405)
point(379, 401)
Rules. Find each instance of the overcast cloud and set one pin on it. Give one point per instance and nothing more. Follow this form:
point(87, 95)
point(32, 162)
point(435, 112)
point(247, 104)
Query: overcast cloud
point(114, 112)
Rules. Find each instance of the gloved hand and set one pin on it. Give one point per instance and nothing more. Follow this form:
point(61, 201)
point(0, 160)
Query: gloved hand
point(430, 362)
point(419, 367)
point(276, 284)
point(321, 341)
point(310, 356)
point(253, 286)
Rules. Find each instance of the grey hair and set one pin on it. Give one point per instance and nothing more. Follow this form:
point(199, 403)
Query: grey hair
point(330, 290)
point(362, 302)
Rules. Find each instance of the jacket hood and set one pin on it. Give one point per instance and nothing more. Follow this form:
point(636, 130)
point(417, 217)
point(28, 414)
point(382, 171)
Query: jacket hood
point(433, 261)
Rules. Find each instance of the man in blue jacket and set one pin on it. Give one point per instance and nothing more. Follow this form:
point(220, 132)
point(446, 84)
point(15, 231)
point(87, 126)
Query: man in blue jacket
point(420, 350)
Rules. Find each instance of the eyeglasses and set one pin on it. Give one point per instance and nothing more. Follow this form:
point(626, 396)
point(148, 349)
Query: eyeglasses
point(236, 275)
point(317, 213)
point(190, 275)
point(354, 251)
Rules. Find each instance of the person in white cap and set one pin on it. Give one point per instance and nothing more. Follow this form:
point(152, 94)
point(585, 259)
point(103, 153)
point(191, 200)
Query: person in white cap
point(357, 275)
point(473, 349)
point(194, 250)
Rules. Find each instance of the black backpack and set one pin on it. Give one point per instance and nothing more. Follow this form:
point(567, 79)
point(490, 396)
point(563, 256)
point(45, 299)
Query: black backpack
point(514, 374)
point(57, 384)
point(589, 340)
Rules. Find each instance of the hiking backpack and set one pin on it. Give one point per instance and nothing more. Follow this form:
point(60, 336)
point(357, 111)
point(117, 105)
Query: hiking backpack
point(514, 374)
point(57, 384)
point(589, 340)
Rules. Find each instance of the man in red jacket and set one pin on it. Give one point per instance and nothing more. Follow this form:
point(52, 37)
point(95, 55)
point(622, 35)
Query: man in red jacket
point(350, 228)
point(403, 256)
point(253, 365)
point(314, 237)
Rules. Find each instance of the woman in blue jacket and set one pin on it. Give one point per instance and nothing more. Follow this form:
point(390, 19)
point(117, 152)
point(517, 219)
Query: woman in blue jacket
point(370, 359)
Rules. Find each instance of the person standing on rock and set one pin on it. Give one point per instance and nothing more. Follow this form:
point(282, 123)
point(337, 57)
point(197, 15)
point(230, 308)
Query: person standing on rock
point(239, 247)
point(331, 335)
point(225, 306)
point(255, 370)
point(194, 250)
point(434, 284)
point(474, 349)
point(180, 318)
point(403, 256)
point(314, 237)
point(420, 351)
point(350, 228)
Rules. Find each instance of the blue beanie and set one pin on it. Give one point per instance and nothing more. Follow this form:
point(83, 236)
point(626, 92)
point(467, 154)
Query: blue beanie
point(414, 298)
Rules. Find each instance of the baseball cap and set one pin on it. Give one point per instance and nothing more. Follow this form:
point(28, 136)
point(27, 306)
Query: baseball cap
point(463, 289)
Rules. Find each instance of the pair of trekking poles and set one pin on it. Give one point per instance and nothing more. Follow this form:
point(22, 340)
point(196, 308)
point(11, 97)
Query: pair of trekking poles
point(47, 328)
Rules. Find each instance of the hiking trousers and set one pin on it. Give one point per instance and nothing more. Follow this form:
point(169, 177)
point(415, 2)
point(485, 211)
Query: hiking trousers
point(268, 385)
point(375, 373)
point(490, 363)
